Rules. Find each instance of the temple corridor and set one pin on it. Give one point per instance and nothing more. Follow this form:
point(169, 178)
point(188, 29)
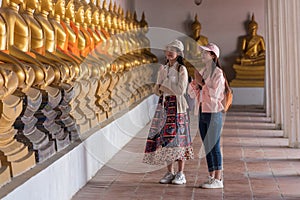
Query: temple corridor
point(258, 164)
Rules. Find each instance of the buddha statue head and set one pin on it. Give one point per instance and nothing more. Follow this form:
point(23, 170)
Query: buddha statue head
point(104, 5)
point(196, 27)
point(102, 18)
point(144, 24)
point(107, 14)
point(60, 8)
point(128, 21)
point(252, 26)
point(46, 6)
point(122, 22)
point(70, 10)
point(79, 13)
point(95, 17)
point(120, 18)
point(8, 2)
point(30, 5)
point(114, 16)
point(87, 15)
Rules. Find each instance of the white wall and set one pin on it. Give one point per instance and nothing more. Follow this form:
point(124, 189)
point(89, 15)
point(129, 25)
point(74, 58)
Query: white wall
point(223, 22)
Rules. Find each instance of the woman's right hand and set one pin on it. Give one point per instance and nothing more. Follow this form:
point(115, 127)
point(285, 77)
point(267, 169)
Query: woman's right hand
point(198, 77)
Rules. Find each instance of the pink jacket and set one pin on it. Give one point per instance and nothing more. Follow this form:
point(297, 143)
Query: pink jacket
point(212, 92)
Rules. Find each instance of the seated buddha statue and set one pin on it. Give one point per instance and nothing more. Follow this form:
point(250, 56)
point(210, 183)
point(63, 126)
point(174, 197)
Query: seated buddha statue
point(25, 75)
point(143, 58)
point(15, 35)
point(146, 42)
point(72, 66)
point(250, 66)
point(85, 45)
point(107, 22)
point(70, 48)
point(30, 130)
point(62, 37)
point(18, 43)
point(191, 53)
point(96, 60)
point(37, 41)
point(88, 29)
point(253, 47)
point(191, 50)
point(56, 37)
point(63, 89)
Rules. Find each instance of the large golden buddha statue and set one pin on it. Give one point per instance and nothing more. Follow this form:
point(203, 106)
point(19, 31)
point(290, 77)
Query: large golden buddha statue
point(250, 66)
point(191, 50)
point(191, 53)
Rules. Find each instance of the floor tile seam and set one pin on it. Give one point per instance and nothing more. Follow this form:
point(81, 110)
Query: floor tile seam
point(247, 171)
point(276, 181)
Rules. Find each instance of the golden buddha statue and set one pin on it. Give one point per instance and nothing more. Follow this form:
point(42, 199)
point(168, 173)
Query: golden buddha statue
point(82, 112)
point(68, 23)
point(146, 42)
point(37, 41)
point(191, 50)
point(61, 49)
point(25, 75)
point(18, 43)
point(88, 29)
point(117, 60)
point(55, 37)
point(71, 29)
point(148, 83)
point(94, 65)
point(253, 46)
point(15, 154)
point(250, 66)
point(106, 42)
point(97, 35)
point(72, 67)
point(191, 53)
point(107, 21)
point(59, 93)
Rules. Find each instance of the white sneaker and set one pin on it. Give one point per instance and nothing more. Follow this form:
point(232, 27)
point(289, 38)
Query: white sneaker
point(213, 185)
point(179, 179)
point(168, 177)
point(210, 179)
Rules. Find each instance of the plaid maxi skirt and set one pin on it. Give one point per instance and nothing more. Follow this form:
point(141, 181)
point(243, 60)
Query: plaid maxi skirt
point(169, 136)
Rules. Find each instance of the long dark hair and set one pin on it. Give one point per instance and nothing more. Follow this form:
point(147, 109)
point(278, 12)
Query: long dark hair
point(215, 63)
point(216, 60)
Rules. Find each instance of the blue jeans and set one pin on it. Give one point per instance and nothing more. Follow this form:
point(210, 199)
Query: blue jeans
point(210, 126)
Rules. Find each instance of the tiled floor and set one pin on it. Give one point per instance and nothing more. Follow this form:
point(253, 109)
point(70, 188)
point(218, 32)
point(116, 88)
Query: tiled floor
point(257, 165)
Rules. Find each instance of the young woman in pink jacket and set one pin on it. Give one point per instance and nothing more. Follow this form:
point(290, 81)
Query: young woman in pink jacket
point(208, 91)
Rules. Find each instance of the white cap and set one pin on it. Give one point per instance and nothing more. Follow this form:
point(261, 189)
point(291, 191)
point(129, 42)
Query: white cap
point(177, 44)
point(212, 47)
